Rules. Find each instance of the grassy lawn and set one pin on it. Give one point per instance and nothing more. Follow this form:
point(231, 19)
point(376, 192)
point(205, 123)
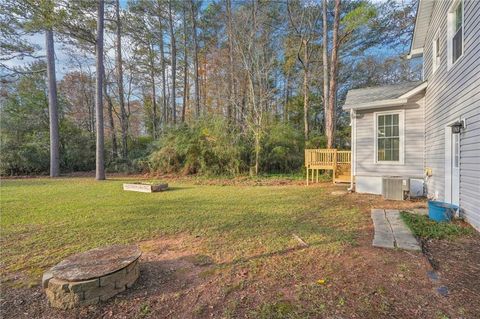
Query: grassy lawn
point(45, 220)
point(228, 251)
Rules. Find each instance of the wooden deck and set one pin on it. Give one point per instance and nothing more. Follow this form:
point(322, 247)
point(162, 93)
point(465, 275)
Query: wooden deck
point(328, 159)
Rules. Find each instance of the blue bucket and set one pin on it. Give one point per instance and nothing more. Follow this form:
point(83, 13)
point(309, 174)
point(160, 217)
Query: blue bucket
point(440, 211)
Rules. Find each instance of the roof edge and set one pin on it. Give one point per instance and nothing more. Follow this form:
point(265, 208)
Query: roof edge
point(415, 90)
point(422, 5)
point(401, 100)
point(377, 104)
point(409, 56)
point(415, 53)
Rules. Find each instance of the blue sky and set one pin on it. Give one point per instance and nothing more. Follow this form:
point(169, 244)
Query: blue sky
point(63, 56)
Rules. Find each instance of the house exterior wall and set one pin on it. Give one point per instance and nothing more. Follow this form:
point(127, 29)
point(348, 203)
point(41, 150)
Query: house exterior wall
point(368, 174)
point(451, 95)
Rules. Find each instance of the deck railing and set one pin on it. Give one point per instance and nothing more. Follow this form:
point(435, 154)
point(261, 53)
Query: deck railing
point(320, 157)
point(328, 159)
point(344, 157)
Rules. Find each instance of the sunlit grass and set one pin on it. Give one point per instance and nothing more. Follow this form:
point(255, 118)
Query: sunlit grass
point(44, 220)
point(424, 227)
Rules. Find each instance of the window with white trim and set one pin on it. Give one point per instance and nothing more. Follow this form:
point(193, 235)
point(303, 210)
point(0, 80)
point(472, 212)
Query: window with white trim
point(388, 139)
point(455, 32)
point(436, 53)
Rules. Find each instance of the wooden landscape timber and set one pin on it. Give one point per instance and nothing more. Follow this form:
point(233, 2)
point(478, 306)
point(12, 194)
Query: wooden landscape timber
point(145, 187)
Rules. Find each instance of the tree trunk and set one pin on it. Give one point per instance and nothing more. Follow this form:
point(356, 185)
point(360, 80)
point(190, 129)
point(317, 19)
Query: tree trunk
point(325, 62)
point(203, 82)
point(173, 61)
point(185, 66)
point(231, 101)
point(195, 57)
point(52, 105)
point(162, 63)
point(100, 148)
point(287, 97)
point(121, 95)
point(305, 90)
point(110, 119)
point(154, 95)
point(330, 127)
point(305, 103)
point(257, 154)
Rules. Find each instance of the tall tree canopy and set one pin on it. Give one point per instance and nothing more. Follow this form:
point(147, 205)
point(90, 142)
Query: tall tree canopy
point(174, 69)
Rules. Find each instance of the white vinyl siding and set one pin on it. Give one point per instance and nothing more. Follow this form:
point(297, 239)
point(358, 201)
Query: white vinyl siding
point(413, 155)
point(452, 95)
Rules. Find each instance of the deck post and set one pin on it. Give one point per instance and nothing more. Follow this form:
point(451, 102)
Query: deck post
point(334, 165)
point(307, 175)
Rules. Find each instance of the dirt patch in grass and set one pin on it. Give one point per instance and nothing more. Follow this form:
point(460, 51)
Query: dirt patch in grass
point(456, 264)
point(358, 282)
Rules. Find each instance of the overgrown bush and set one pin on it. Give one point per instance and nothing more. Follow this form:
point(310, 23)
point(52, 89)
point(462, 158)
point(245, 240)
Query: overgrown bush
point(212, 147)
point(282, 149)
point(77, 148)
point(137, 159)
point(208, 146)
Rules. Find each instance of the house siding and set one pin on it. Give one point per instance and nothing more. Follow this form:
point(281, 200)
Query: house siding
point(413, 165)
point(451, 95)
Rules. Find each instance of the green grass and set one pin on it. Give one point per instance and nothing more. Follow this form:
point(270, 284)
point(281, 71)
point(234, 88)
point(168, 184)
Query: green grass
point(45, 220)
point(277, 310)
point(424, 227)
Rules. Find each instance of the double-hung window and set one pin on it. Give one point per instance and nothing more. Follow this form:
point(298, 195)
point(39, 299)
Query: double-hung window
point(389, 137)
point(455, 32)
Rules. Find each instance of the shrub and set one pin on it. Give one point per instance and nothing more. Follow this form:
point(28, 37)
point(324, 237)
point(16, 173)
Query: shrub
point(136, 162)
point(208, 146)
point(77, 148)
point(282, 149)
point(31, 157)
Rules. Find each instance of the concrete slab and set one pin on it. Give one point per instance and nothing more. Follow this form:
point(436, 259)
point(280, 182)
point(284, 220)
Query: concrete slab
point(391, 231)
point(383, 243)
point(383, 236)
point(404, 238)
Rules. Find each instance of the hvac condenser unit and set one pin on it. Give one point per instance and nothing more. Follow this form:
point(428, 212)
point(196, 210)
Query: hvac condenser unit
point(394, 187)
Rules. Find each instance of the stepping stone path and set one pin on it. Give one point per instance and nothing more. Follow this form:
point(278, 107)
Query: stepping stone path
point(92, 276)
point(391, 231)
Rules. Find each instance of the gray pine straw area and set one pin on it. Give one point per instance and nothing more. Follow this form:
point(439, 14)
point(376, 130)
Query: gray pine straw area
point(391, 231)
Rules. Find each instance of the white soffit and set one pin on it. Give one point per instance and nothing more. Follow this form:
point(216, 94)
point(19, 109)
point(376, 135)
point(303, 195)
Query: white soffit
point(424, 14)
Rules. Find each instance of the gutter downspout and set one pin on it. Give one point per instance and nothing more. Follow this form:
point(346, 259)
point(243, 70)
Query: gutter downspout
point(353, 139)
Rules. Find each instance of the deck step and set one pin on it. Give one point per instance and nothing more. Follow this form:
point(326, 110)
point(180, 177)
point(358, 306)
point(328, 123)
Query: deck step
point(342, 179)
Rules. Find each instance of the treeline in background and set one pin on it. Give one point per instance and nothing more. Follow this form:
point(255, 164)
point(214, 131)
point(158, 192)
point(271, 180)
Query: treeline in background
point(219, 87)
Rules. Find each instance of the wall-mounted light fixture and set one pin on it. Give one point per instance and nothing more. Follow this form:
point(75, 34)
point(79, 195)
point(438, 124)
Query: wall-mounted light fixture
point(458, 126)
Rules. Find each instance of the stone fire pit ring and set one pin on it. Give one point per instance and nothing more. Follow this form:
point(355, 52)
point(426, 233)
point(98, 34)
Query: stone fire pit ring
point(92, 276)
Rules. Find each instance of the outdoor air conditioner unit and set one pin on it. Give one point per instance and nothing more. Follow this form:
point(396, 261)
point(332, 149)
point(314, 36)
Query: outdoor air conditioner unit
point(394, 187)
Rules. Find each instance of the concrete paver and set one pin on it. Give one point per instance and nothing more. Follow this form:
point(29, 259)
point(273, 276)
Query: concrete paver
point(391, 231)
